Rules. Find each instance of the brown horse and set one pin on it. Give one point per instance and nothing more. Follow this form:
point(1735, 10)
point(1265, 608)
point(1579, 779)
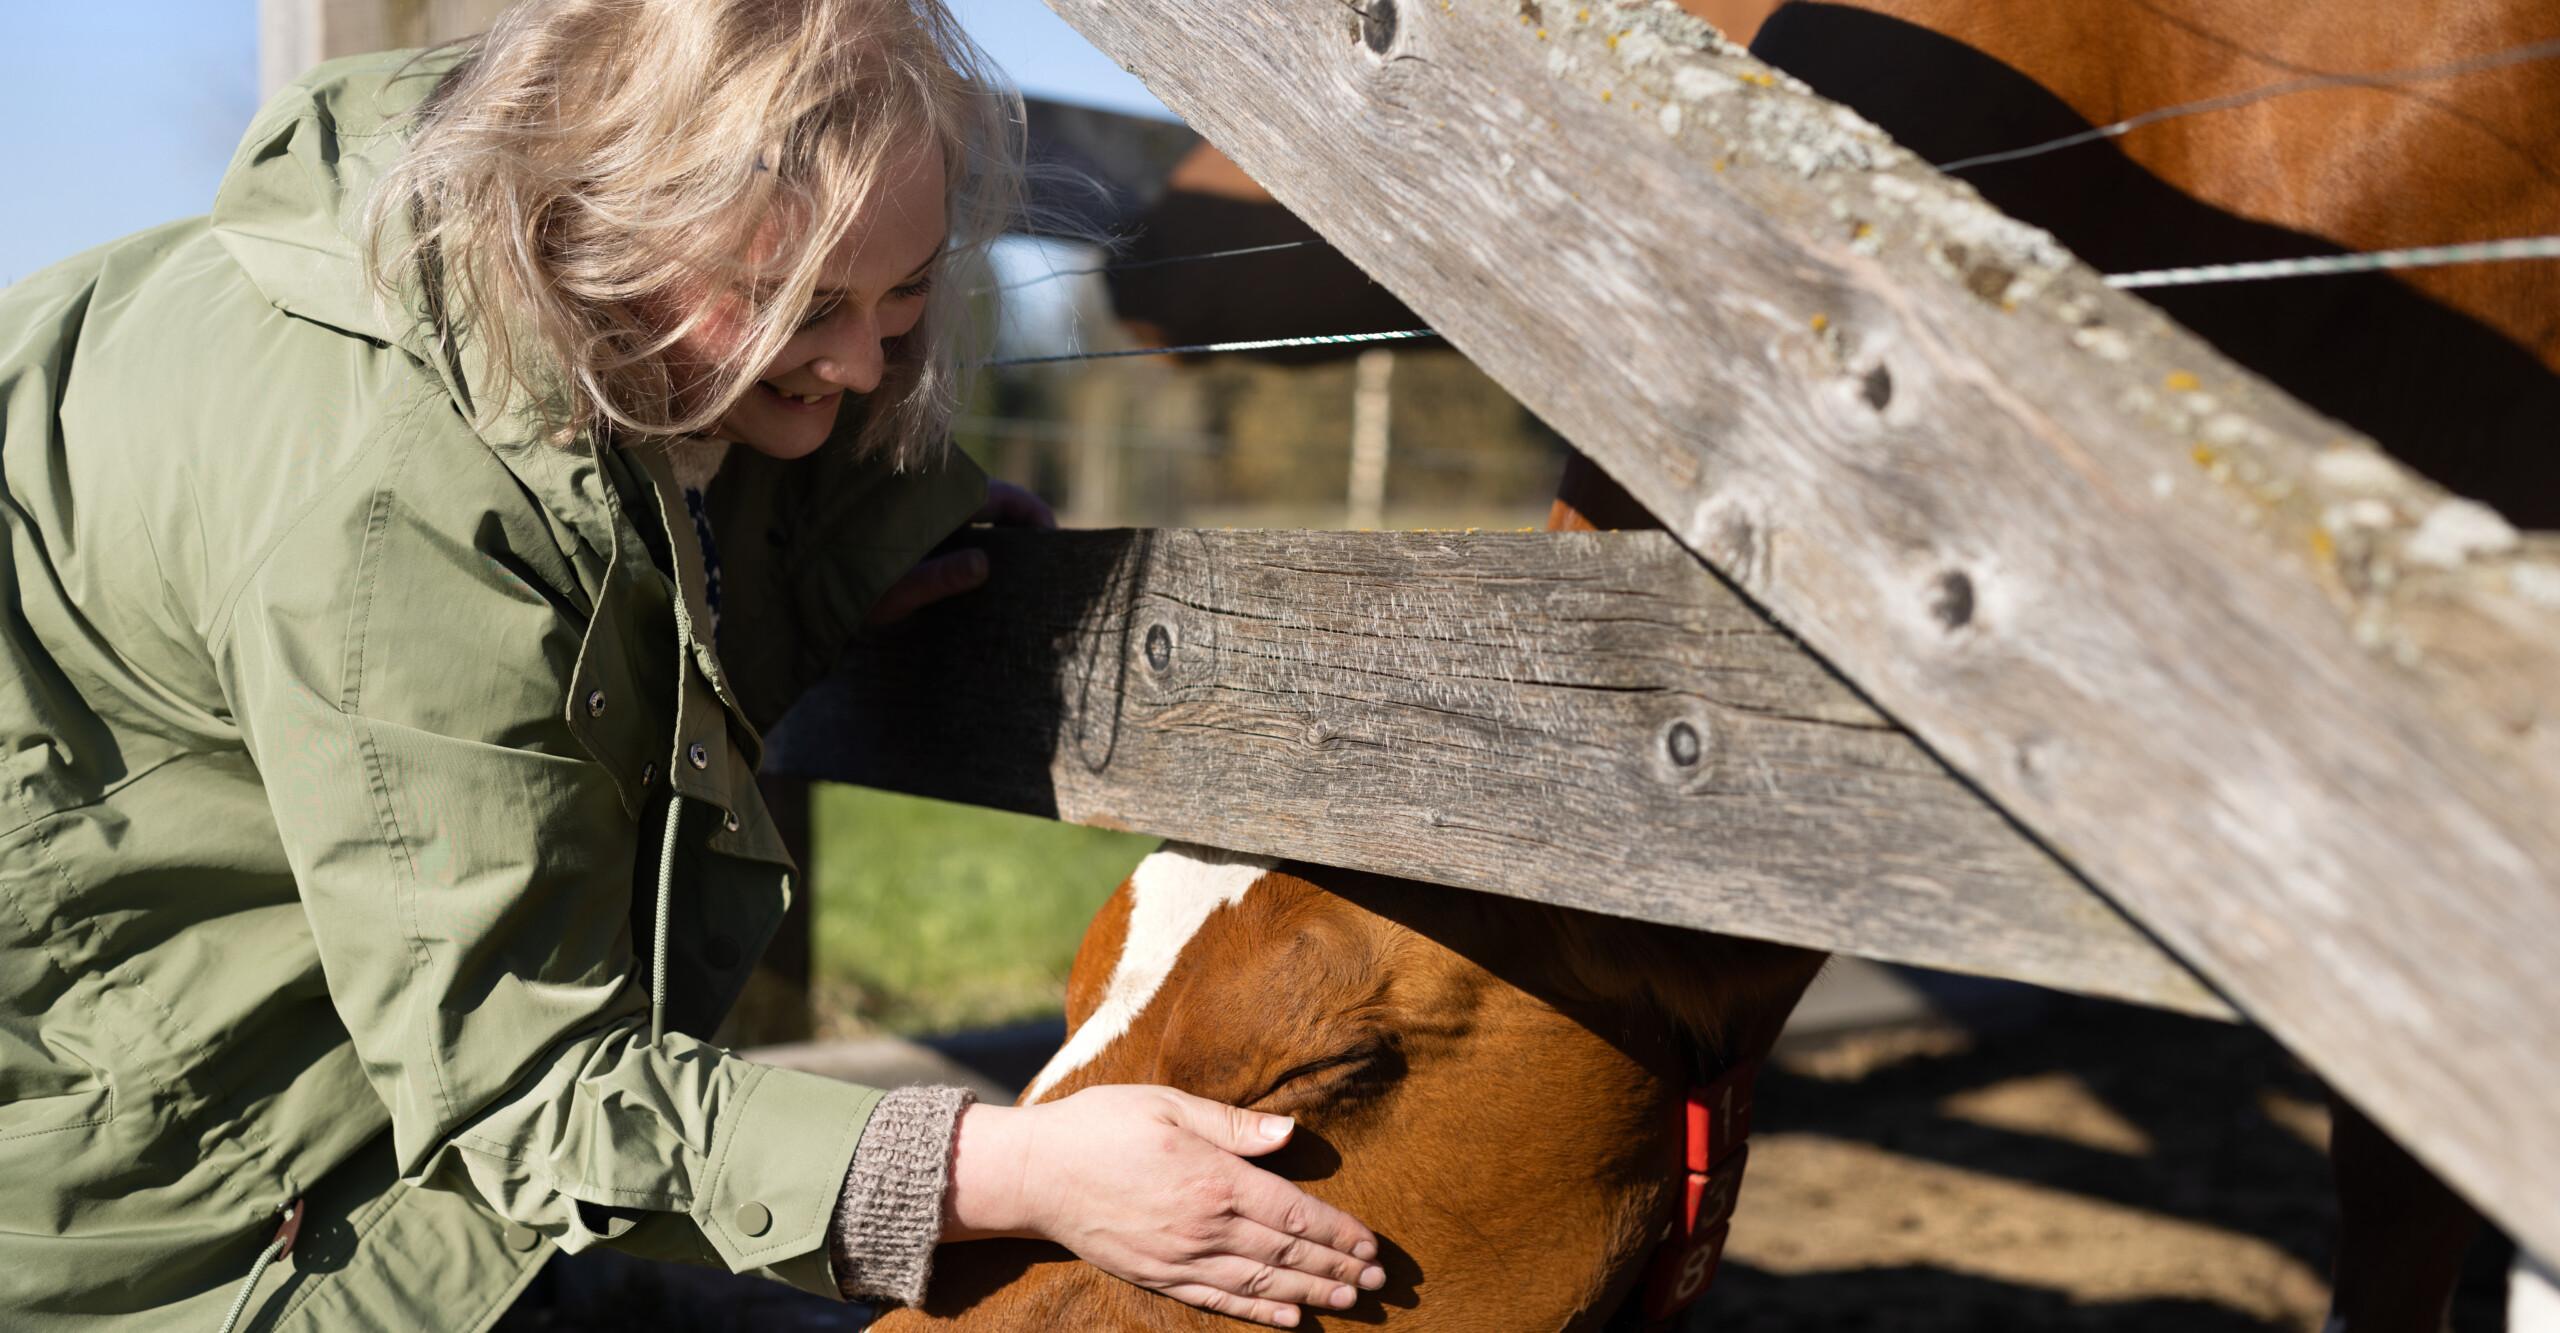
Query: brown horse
point(2404, 129)
point(1493, 1085)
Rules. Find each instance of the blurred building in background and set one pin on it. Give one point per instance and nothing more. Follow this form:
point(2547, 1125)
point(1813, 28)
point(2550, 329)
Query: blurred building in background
point(1193, 252)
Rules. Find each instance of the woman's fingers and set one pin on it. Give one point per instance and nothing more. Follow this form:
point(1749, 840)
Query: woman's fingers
point(1264, 1198)
point(1233, 1306)
point(1010, 506)
point(1245, 1133)
point(955, 572)
point(1262, 1281)
point(1334, 1268)
point(932, 579)
point(1146, 1183)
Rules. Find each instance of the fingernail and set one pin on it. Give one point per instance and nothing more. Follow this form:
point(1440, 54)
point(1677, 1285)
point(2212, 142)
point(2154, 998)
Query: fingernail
point(1343, 1297)
point(1287, 1317)
point(1373, 1278)
point(1275, 1128)
point(1365, 1251)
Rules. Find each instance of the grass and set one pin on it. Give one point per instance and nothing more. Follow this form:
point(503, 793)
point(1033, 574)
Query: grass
point(933, 917)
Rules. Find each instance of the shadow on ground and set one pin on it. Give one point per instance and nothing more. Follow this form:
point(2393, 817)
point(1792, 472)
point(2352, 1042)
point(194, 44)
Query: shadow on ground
point(2096, 1167)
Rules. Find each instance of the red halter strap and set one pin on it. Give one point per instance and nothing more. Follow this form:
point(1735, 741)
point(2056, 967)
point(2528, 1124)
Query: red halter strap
point(1715, 1122)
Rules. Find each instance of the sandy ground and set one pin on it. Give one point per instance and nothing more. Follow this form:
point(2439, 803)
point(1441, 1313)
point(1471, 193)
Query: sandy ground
point(2099, 1169)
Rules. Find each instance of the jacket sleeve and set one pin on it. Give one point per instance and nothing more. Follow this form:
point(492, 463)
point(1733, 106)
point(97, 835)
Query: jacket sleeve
point(808, 545)
point(397, 666)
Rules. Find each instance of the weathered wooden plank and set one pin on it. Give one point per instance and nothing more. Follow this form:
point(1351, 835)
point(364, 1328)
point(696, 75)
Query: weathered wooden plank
point(2293, 709)
point(1583, 718)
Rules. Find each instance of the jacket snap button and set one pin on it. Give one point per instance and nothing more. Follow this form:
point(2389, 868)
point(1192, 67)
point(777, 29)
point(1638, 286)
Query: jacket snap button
point(521, 1238)
point(700, 757)
point(729, 820)
point(595, 703)
point(721, 952)
point(754, 1219)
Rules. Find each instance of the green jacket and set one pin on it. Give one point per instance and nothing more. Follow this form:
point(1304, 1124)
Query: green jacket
point(338, 743)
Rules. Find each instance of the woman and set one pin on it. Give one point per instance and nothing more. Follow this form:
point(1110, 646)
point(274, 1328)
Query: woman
point(401, 563)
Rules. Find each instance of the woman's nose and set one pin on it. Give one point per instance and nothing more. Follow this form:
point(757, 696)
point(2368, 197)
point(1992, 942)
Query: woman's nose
point(855, 360)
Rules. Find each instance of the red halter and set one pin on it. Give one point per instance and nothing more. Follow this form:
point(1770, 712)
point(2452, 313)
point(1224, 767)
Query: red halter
point(1715, 1122)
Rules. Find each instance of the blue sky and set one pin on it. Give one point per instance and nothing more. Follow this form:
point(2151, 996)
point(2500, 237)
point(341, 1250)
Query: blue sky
point(122, 114)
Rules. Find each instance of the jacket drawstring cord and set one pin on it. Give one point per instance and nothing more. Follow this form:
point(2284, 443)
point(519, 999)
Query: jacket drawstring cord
point(666, 896)
point(276, 1249)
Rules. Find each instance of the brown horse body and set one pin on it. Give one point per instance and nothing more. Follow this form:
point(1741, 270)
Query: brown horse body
point(1492, 1085)
point(2450, 368)
point(1489, 1084)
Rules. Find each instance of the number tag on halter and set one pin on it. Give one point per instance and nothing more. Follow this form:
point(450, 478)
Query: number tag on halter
point(1686, 1263)
point(1715, 1122)
point(1717, 1118)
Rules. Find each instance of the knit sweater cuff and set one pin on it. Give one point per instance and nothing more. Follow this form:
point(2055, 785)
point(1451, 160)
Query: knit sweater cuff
point(890, 1214)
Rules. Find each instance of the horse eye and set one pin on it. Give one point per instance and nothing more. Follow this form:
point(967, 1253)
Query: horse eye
point(1341, 1065)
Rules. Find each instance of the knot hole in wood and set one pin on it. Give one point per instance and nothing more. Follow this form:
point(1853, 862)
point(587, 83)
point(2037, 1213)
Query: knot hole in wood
point(1877, 387)
point(1953, 604)
point(1378, 25)
point(1683, 757)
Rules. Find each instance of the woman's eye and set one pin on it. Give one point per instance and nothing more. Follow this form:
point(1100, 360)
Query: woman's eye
point(818, 316)
point(920, 287)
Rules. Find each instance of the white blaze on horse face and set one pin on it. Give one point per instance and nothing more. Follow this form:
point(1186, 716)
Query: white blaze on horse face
point(1170, 895)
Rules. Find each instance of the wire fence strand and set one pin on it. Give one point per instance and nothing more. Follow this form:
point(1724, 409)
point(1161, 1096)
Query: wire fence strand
point(2370, 261)
point(2514, 55)
point(1253, 345)
point(1133, 265)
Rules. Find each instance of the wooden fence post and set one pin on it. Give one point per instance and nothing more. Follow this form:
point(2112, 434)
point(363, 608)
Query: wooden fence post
point(1372, 418)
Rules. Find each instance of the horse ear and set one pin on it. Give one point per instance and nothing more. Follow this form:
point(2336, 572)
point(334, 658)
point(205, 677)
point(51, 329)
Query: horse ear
point(1098, 955)
point(1731, 993)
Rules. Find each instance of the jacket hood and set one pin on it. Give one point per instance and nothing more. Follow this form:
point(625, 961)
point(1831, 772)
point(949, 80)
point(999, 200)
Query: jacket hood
point(291, 213)
point(291, 204)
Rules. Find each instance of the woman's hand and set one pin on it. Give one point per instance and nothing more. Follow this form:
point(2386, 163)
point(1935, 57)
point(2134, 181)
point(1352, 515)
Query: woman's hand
point(954, 572)
point(1147, 1185)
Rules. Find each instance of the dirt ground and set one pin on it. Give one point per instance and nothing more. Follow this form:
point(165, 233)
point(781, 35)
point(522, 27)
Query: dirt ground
point(2101, 1168)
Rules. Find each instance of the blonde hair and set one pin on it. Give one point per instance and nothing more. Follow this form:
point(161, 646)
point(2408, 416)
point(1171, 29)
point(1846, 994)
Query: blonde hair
point(589, 159)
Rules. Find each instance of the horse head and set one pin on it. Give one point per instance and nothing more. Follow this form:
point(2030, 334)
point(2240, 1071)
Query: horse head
point(1492, 1085)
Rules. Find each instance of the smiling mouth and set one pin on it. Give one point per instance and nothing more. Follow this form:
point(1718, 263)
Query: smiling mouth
point(797, 402)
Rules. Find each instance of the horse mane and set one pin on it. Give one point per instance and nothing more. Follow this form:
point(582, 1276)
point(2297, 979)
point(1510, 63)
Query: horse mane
point(1717, 990)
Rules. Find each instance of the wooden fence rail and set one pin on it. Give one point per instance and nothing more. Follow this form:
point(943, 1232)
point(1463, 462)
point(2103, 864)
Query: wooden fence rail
point(1581, 718)
point(2293, 709)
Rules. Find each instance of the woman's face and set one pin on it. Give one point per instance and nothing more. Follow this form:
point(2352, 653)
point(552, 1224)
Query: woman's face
point(873, 290)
